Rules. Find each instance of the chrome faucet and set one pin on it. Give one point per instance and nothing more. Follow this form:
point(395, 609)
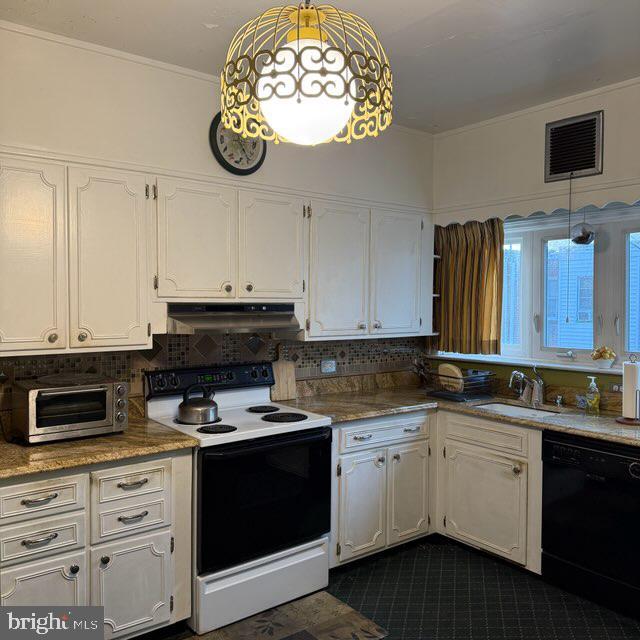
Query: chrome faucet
point(530, 390)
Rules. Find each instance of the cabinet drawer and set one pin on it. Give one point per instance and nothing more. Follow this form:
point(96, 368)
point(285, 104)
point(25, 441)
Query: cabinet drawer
point(45, 497)
point(362, 436)
point(140, 482)
point(46, 536)
point(502, 437)
point(125, 520)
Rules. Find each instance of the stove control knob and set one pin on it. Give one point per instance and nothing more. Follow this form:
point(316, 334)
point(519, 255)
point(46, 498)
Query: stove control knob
point(121, 404)
point(121, 389)
point(229, 375)
point(174, 381)
point(121, 417)
point(254, 374)
point(265, 373)
point(161, 383)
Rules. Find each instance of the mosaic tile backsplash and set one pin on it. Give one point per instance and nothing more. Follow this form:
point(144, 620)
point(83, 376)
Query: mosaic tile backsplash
point(352, 357)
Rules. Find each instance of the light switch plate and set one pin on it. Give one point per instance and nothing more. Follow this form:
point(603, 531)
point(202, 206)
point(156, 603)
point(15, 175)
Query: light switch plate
point(328, 365)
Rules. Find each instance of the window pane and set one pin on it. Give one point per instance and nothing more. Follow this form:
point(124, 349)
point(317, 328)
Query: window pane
point(568, 295)
point(511, 295)
point(633, 292)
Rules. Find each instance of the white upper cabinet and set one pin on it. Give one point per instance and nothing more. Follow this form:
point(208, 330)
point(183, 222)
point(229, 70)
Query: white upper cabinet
point(109, 285)
point(339, 270)
point(395, 272)
point(32, 255)
point(271, 248)
point(197, 239)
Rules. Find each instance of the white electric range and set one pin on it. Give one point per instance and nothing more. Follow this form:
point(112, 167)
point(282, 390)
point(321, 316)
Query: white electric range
point(262, 492)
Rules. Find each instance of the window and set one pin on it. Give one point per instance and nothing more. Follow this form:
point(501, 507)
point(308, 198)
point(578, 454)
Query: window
point(633, 292)
point(512, 296)
point(568, 295)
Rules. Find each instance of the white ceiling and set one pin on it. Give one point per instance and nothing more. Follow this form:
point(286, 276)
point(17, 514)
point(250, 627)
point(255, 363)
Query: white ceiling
point(454, 61)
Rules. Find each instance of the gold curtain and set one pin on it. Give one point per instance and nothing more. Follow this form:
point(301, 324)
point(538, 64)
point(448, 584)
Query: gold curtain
point(469, 280)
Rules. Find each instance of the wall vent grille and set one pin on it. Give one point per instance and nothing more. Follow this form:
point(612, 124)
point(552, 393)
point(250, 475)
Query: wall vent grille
point(573, 146)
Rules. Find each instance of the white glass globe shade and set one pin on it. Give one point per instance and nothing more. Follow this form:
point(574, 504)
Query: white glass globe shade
point(298, 118)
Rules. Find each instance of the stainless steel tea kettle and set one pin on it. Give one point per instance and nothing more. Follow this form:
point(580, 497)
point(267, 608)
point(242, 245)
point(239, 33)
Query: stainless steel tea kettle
point(198, 410)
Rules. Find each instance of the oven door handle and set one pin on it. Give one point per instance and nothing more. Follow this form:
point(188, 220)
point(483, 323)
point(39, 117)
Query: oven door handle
point(46, 394)
point(239, 450)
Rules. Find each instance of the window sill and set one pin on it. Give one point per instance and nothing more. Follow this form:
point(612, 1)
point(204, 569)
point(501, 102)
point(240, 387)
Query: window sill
point(616, 370)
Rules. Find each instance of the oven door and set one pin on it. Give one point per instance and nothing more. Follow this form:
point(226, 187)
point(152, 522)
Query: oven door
point(260, 496)
point(53, 411)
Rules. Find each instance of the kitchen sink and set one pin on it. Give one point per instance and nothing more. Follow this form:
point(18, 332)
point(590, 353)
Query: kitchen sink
point(516, 411)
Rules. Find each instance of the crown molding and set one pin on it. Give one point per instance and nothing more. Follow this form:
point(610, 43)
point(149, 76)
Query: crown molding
point(107, 51)
point(619, 86)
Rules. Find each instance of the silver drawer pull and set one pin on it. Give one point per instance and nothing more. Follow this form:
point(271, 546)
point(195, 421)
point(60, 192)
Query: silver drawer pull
point(128, 519)
point(366, 436)
point(411, 429)
point(34, 502)
point(35, 542)
point(132, 484)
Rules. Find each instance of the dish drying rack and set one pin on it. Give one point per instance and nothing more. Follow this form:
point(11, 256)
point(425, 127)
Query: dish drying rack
point(475, 384)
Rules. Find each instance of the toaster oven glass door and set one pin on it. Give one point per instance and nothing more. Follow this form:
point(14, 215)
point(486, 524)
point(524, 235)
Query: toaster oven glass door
point(73, 409)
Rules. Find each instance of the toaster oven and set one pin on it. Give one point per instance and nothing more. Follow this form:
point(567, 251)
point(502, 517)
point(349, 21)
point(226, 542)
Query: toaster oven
point(67, 406)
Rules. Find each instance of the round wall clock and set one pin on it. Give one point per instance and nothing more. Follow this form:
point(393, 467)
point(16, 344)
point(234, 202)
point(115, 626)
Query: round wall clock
point(236, 154)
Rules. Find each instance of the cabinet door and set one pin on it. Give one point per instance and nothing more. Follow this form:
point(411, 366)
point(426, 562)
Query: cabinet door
point(362, 496)
point(32, 255)
point(197, 239)
point(339, 270)
point(408, 491)
point(58, 582)
point(271, 249)
point(132, 580)
point(395, 272)
point(486, 500)
point(108, 280)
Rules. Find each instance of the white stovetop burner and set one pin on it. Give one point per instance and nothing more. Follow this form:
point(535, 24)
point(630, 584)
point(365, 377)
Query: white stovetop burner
point(232, 409)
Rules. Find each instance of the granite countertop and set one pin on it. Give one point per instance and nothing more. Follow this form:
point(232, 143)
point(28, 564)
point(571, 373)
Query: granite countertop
point(142, 438)
point(355, 405)
point(345, 407)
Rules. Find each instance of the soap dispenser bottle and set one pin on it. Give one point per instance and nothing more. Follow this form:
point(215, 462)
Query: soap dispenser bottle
point(593, 398)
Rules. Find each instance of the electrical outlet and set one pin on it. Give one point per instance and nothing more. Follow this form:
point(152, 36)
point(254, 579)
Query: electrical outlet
point(616, 388)
point(328, 365)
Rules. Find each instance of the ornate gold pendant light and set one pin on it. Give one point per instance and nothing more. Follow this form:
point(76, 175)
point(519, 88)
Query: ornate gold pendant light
point(306, 74)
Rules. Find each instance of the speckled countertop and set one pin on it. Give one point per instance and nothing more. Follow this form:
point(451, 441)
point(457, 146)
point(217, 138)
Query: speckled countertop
point(354, 405)
point(142, 438)
point(345, 407)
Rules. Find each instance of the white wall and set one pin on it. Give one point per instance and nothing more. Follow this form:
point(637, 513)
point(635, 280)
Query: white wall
point(66, 97)
point(496, 168)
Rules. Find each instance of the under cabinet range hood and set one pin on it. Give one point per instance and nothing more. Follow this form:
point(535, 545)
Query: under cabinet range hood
point(188, 318)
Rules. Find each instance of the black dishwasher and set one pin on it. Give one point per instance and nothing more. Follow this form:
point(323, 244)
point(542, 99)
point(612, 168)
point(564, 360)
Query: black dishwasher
point(591, 519)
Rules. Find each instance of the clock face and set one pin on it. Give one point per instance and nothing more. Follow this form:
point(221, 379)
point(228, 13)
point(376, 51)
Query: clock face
point(236, 154)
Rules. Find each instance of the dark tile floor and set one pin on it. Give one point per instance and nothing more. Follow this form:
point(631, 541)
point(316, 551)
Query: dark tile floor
point(438, 590)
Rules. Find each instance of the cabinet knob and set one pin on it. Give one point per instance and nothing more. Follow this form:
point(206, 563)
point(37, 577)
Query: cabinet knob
point(82, 336)
point(228, 288)
point(73, 569)
point(53, 337)
point(517, 469)
point(249, 287)
point(381, 459)
point(105, 559)
point(362, 325)
point(396, 457)
point(377, 324)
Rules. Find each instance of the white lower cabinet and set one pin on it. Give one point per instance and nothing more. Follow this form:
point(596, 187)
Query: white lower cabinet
point(61, 581)
point(125, 544)
point(382, 484)
point(132, 580)
point(363, 483)
point(408, 491)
